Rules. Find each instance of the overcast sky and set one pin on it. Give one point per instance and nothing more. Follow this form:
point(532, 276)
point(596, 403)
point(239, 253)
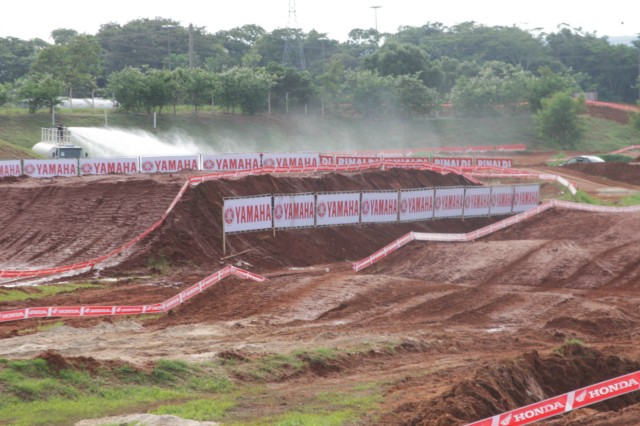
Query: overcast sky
point(36, 19)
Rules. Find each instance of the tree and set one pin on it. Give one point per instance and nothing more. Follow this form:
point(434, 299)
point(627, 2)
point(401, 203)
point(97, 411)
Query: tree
point(247, 88)
point(549, 83)
point(41, 90)
point(77, 64)
point(397, 59)
point(371, 94)
point(4, 95)
point(16, 57)
point(559, 121)
point(292, 88)
point(414, 98)
point(499, 88)
point(128, 88)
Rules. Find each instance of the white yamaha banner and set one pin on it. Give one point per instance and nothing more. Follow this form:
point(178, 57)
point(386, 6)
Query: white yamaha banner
point(10, 168)
point(50, 168)
point(104, 166)
point(525, 197)
point(501, 199)
point(247, 214)
point(477, 201)
point(417, 204)
point(290, 159)
point(169, 164)
point(379, 207)
point(338, 208)
point(294, 211)
point(449, 202)
point(230, 162)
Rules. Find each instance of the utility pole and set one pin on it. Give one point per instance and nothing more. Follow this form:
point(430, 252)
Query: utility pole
point(375, 14)
point(190, 45)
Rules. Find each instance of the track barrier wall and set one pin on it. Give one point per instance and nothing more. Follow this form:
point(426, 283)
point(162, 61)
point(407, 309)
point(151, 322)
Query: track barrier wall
point(566, 402)
point(165, 306)
point(478, 233)
point(469, 173)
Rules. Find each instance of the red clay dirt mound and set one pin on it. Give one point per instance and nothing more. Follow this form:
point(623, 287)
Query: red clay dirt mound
point(192, 235)
point(505, 386)
point(618, 171)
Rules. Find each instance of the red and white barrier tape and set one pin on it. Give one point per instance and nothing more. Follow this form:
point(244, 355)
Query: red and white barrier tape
point(473, 235)
point(564, 403)
point(91, 311)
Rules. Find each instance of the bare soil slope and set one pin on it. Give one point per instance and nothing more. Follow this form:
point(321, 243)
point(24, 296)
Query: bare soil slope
point(455, 332)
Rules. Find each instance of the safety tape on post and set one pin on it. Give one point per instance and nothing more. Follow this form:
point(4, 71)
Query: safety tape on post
point(93, 311)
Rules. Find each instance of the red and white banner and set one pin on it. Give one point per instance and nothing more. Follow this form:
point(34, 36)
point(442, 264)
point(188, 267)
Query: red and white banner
point(378, 207)
point(51, 167)
point(477, 201)
point(449, 202)
point(501, 200)
point(294, 211)
point(453, 161)
point(230, 162)
point(290, 160)
point(564, 403)
point(349, 160)
point(501, 163)
point(10, 168)
point(247, 214)
point(417, 204)
point(338, 208)
point(104, 166)
point(525, 197)
point(327, 159)
point(406, 161)
point(168, 164)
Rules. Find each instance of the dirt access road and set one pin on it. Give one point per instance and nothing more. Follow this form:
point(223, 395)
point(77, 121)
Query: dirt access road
point(452, 332)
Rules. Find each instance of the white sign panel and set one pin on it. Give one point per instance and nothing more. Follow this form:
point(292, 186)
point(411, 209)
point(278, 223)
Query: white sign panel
point(453, 161)
point(379, 206)
point(502, 163)
point(449, 202)
point(477, 201)
point(501, 199)
point(290, 159)
point(104, 166)
point(50, 168)
point(10, 168)
point(338, 209)
point(168, 164)
point(230, 162)
point(407, 161)
point(347, 160)
point(294, 211)
point(247, 214)
point(525, 197)
point(417, 204)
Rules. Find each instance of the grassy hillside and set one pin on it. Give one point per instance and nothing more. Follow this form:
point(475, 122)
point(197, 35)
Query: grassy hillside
point(238, 133)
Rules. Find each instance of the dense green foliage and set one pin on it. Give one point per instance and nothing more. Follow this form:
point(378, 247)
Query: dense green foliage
point(559, 121)
point(309, 72)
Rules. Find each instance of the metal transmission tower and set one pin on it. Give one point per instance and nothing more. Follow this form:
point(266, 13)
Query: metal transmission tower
point(291, 56)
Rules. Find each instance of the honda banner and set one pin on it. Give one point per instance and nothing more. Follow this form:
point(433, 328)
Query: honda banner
point(247, 214)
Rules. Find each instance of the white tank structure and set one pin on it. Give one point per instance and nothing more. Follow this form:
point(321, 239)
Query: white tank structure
point(55, 142)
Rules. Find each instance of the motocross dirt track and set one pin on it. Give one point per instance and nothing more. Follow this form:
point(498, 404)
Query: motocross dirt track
point(475, 327)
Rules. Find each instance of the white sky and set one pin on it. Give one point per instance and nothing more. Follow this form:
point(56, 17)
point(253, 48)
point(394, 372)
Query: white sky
point(36, 19)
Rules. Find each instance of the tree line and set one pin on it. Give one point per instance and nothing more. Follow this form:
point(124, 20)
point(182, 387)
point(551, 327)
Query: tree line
point(153, 64)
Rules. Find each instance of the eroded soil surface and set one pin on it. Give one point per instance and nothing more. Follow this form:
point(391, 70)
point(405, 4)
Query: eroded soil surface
point(475, 327)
